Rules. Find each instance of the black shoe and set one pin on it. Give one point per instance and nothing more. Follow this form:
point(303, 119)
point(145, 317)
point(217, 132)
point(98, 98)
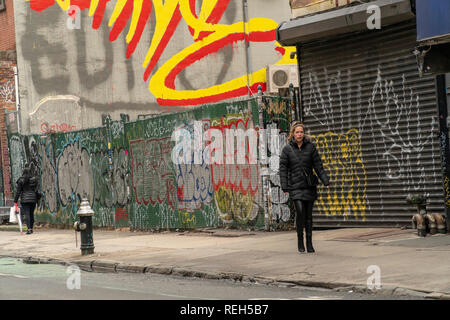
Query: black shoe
point(308, 229)
point(301, 246)
point(29, 232)
point(309, 246)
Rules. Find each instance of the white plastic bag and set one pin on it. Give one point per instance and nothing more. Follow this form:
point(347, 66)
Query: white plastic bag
point(12, 215)
point(15, 217)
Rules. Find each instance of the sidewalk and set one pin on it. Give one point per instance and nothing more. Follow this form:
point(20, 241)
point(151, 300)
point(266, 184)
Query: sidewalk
point(409, 265)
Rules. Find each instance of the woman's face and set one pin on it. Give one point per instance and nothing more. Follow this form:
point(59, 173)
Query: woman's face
point(299, 133)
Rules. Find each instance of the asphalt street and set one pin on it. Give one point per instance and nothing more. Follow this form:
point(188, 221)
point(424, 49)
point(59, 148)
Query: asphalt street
point(20, 281)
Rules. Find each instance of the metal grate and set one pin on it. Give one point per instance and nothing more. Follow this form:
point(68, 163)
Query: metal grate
point(375, 122)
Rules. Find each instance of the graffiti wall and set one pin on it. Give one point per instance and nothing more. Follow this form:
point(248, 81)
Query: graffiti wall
point(277, 119)
point(73, 166)
point(129, 176)
point(82, 59)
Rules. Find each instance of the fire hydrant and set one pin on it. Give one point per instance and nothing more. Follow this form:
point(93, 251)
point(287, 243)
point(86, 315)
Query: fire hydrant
point(84, 226)
point(419, 219)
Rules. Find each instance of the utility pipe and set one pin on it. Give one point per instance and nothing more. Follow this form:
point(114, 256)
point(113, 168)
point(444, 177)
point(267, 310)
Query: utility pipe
point(247, 47)
point(16, 81)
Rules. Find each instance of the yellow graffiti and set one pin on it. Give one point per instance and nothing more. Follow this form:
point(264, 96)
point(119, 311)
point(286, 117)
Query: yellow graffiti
point(223, 198)
point(220, 32)
point(342, 158)
point(186, 219)
point(120, 4)
point(234, 206)
point(168, 13)
point(93, 7)
point(64, 4)
point(447, 192)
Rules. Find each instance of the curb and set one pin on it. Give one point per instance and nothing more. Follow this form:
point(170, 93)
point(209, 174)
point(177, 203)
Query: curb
point(396, 291)
point(107, 266)
point(12, 228)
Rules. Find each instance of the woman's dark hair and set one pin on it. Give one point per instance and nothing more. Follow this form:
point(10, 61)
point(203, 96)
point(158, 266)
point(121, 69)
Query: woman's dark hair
point(26, 174)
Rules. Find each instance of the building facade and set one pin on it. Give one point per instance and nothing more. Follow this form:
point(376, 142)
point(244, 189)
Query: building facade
point(80, 61)
point(8, 63)
point(375, 116)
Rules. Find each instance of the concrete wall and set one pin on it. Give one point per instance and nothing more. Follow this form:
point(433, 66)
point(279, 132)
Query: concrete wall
point(162, 57)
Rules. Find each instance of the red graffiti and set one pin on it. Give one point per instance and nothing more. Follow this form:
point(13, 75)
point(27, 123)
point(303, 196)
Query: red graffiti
point(121, 214)
point(62, 127)
point(180, 192)
point(242, 178)
point(167, 80)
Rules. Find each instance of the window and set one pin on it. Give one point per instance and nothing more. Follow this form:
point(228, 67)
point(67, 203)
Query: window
point(2, 5)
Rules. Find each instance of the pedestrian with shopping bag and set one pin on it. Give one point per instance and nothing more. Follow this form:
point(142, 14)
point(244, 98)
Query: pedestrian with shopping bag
point(27, 191)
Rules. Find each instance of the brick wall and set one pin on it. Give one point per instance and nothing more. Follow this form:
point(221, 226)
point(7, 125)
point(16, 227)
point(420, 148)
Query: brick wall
point(8, 102)
point(8, 61)
point(7, 34)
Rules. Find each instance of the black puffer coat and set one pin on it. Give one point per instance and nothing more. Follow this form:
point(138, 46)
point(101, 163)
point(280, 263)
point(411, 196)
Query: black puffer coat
point(291, 170)
point(27, 190)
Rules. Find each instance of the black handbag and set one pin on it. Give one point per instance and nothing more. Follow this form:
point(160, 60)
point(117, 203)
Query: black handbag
point(311, 179)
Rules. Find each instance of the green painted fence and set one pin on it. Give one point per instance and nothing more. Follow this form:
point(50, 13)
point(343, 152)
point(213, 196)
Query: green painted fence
point(127, 172)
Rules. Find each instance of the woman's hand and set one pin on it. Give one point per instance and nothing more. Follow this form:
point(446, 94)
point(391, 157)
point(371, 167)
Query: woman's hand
point(16, 207)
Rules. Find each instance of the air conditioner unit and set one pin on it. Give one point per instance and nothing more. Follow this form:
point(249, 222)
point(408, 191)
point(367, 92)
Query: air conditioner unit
point(281, 76)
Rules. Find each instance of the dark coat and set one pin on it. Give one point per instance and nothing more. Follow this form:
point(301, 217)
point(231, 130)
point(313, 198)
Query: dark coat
point(291, 170)
point(27, 190)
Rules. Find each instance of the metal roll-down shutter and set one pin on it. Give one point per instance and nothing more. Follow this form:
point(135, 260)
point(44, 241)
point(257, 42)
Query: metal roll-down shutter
point(375, 122)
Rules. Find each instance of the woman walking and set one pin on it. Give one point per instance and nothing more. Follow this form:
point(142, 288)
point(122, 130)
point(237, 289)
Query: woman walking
point(297, 161)
point(27, 192)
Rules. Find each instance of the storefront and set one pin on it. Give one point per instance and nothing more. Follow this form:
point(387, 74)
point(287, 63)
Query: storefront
point(375, 120)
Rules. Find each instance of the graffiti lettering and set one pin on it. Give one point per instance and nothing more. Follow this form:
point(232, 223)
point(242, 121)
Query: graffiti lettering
point(111, 187)
point(194, 185)
point(121, 214)
point(61, 127)
point(17, 156)
point(235, 185)
point(75, 175)
point(238, 177)
point(48, 177)
point(152, 177)
point(209, 37)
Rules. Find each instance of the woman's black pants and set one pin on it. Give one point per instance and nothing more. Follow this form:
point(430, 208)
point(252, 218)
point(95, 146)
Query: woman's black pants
point(304, 216)
point(28, 210)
